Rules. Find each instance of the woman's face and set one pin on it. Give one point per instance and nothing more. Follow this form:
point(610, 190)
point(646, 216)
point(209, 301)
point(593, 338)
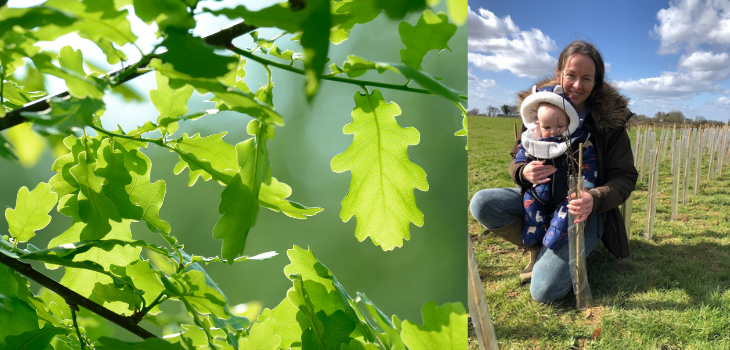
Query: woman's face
point(577, 78)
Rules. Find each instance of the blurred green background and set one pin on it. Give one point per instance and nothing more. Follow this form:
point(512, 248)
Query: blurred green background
point(431, 266)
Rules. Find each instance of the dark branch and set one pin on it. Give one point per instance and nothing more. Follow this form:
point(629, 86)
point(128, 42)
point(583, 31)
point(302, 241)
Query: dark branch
point(73, 298)
point(221, 38)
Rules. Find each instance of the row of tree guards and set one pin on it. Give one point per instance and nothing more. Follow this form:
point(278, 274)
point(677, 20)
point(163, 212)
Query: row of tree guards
point(689, 150)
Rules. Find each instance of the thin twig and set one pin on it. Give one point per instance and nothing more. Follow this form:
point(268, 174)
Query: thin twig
point(327, 77)
point(76, 325)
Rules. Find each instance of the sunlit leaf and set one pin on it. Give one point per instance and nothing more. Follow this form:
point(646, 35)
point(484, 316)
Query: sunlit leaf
point(147, 344)
point(31, 211)
point(32, 17)
point(145, 278)
point(465, 130)
point(167, 13)
point(361, 11)
point(432, 32)
point(383, 177)
point(35, 339)
point(391, 327)
point(397, 9)
point(356, 344)
point(79, 84)
point(192, 286)
point(261, 337)
point(15, 96)
point(94, 208)
point(22, 317)
point(190, 55)
point(66, 115)
point(444, 327)
point(127, 175)
point(126, 295)
point(207, 157)
point(239, 200)
point(273, 196)
point(170, 103)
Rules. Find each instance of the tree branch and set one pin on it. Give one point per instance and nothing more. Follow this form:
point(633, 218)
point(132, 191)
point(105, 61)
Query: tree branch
point(73, 298)
point(403, 87)
point(220, 38)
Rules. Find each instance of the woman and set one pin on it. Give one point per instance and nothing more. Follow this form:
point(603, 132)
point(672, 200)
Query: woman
point(600, 107)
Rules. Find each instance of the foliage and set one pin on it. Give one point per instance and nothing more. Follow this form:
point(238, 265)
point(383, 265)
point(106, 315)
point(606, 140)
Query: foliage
point(102, 177)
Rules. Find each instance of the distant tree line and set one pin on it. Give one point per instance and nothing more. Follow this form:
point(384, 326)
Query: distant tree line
point(661, 118)
point(671, 118)
point(503, 111)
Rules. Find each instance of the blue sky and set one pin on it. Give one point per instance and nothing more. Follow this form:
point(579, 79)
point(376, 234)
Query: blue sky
point(664, 55)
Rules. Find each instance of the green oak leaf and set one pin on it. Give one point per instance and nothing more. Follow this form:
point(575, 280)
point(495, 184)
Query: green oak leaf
point(79, 84)
point(31, 211)
point(240, 199)
point(125, 294)
point(127, 175)
point(32, 17)
point(361, 11)
point(170, 103)
point(146, 278)
point(21, 317)
point(63, 182)
point(432, 32)
point(234, 78)
point(207, 157)
point(148, 344)
point(465, 130)
point(383, 177)
point(94, 208)
point(290, 322)
point(193, 287)
point(97, 21)
point(397, 9)
point(18, 45)
point(261, 337)
point(192, 56)
point(35, 339)
point(66, 115)
point(457, 9)
point(444, 327)
point(391, 328)
point(15, 96)
point(273, 196)
point(356, 344)
point(167, 13)
point(234, 100)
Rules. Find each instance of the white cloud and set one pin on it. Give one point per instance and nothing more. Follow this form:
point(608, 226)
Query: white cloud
point(721, 102)
point(478, 87)
point(692, 23)
point(698, 72)
point(498, 44)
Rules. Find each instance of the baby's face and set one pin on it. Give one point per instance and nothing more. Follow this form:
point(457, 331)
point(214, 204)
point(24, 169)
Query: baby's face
point(551, 121)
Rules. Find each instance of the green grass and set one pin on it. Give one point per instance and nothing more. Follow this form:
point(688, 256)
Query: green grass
point(672, 292)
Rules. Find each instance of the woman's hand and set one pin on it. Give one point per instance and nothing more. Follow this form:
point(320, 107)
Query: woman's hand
point(537, 172)
point(580, 206)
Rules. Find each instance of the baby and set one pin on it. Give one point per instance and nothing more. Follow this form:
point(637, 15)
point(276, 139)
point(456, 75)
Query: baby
point(552, 125)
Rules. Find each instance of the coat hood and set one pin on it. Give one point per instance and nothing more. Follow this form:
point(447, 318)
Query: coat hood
point(609, 109)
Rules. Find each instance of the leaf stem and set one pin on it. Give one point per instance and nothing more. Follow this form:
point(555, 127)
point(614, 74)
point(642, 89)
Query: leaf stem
point(73, 308)
point(463, 110)
point(139, 315)
point(159, 142)
point(326, 77)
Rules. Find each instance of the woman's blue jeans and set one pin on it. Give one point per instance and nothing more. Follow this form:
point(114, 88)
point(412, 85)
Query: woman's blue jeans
point(496, 207)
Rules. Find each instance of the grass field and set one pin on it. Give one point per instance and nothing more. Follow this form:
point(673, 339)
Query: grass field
point(672, 292)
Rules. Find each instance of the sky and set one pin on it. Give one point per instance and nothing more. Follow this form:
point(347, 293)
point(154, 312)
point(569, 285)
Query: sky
point(663, 55)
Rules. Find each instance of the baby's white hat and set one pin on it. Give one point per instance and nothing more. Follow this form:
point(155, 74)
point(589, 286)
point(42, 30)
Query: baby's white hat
point(528, 109)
